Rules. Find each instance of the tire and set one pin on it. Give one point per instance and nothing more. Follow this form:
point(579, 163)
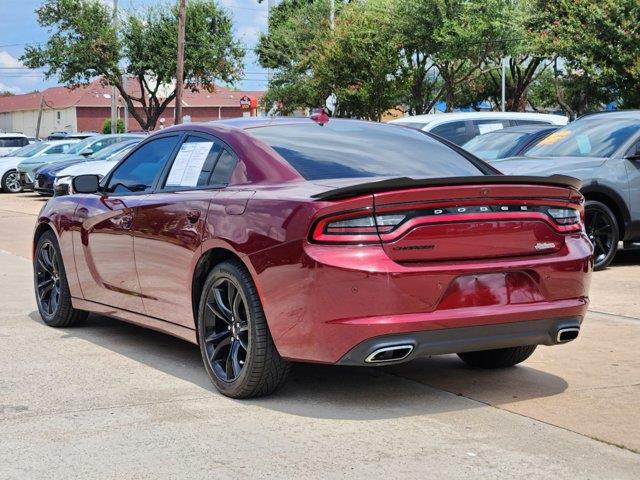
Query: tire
point(236, 346)
point(49, 272)
point(603, 232)
point(10, 182)
point(501, 358)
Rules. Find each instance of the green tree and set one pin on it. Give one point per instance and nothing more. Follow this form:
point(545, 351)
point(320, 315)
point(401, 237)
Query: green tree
point(296, 28)
point(86, 44)
point(575, 92)
point(359, 62)
point(601, 40)
point(454, 37)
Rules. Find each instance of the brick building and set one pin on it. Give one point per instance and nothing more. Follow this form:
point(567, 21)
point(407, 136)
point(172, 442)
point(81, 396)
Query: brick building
point(86, 108)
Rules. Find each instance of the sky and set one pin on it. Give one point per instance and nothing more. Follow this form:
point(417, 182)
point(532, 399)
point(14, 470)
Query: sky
point(18, 26)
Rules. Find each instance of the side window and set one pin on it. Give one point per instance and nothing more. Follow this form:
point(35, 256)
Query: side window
point(480, 127)
point(100, 144)
point(531, 122)
point(224, 168)
point(455, 132)
point(194, 163)
point(140, 170)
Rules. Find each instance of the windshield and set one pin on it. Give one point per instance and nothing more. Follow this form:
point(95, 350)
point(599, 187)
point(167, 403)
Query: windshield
point(349, 149)
point(108, 152)
point(116, 157)
point(595, 136)
point(80, 146)
point(491, 146)
point(29, 150)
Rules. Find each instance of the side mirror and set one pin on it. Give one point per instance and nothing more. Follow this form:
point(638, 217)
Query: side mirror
point(86, 184)
point(86, 152)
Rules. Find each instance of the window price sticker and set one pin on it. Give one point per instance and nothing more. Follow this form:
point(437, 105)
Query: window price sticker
point(188, 164)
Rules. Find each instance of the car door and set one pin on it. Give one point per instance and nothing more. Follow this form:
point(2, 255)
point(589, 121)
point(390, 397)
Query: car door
point(632, 165)
point(104, 250)
point(169, 224)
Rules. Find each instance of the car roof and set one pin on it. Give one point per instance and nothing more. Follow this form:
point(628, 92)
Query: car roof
point(633, 114)
point(12, 135)
point(439, 118)
point(254, 122)
point(56, 142)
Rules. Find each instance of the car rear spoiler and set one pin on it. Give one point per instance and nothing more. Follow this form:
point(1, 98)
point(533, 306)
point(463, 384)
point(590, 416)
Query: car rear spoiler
point(406, 182)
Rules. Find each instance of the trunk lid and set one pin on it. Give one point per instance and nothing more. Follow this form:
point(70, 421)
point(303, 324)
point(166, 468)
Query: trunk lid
point(467, 222)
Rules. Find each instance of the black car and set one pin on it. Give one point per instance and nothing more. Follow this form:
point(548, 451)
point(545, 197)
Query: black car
point(508, 142)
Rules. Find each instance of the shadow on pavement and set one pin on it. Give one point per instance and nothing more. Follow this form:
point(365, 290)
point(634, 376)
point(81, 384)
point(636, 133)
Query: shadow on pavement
point(333, 392)
point(629, 256)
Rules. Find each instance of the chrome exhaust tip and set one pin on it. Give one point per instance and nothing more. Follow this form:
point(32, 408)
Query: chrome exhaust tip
point(389, 354)
point(567, 334)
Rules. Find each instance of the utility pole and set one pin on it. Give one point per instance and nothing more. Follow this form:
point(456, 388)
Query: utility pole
point(270, 5)
point(182, 13)
point(40, 116)
point(114, 91)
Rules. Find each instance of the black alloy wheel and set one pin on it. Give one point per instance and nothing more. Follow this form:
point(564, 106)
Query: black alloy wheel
point(226, 329)
point(602, 229)
point(47, 272)
point(237, 349)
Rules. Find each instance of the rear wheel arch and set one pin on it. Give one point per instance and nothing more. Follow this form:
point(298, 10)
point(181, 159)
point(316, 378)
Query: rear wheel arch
point(611, 199)
point(207, 261)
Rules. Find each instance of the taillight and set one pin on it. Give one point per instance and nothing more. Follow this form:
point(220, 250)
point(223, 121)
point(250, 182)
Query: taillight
point(567, 217)
point(355, 228)
point(363, 227)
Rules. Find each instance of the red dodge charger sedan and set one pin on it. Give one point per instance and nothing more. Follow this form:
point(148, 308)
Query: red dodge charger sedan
point(268, 241)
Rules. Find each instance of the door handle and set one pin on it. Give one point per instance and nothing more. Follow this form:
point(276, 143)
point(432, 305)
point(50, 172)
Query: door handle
point(193, 215)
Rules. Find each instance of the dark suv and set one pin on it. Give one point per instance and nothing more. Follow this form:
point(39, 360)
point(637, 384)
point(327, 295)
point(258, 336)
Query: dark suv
point(602, 150)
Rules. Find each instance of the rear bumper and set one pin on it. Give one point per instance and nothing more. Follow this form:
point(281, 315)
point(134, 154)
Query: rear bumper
point(335, 298)
point(464, 339)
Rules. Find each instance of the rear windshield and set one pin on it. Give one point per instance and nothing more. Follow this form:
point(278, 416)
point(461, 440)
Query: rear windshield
point(348, 149)
point(491, 146)
point(416, 125)
point(13, 142)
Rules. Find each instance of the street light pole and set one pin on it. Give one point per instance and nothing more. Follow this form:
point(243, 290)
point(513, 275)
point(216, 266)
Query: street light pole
point(332, 13)
point(114, 91)
point(182, 13)
point(504, 82)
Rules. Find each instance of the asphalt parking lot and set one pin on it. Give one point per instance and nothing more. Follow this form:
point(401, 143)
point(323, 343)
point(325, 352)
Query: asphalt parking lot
point(111, 400)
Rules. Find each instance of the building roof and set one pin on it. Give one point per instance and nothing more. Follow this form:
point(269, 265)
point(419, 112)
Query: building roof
point(98, 95)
